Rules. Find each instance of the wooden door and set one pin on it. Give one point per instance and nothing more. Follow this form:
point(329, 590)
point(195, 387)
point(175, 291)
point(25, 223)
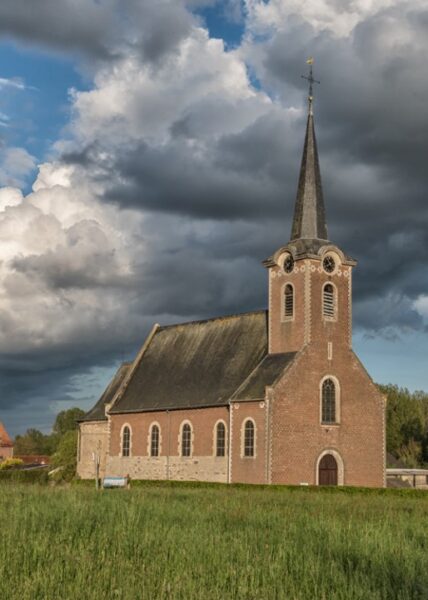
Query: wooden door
point(327, 474)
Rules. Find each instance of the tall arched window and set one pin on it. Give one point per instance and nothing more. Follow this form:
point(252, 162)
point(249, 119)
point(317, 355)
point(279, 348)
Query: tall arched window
point(186, 440)
point(249, 441)
point(126, 441)
point(154, 441)
point(221, 439)
point(328, 301)
point(328, 402)
point(288, 301)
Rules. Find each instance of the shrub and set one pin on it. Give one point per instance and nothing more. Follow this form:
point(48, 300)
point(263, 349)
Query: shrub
point(11, 463)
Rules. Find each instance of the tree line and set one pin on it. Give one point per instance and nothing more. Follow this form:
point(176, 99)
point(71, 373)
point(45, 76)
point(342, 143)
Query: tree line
point(406, 425)
point(60, 444)
point(406, 432)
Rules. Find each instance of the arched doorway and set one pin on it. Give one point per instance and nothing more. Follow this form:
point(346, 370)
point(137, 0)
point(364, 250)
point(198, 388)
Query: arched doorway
point(327, 470)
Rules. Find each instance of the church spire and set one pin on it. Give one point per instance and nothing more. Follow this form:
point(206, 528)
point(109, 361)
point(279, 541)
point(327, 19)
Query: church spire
point(309, 214)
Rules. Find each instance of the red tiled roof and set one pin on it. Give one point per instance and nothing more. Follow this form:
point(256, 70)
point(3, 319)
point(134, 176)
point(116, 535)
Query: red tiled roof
point(5, 440)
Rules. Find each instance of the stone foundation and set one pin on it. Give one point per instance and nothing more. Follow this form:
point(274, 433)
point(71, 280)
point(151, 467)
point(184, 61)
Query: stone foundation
point(197, 468)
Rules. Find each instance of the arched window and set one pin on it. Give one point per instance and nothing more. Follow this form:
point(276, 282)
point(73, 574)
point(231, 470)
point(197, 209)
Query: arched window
point(249, 438)
point(154, 441)
point(288, 301)
point(186, 440)
point(328, 301)
point(328, 402)
point(126, 441)
point(220, 439)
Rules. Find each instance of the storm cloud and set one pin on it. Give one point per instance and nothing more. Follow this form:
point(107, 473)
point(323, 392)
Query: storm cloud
point(179, 171)
point(98, 30)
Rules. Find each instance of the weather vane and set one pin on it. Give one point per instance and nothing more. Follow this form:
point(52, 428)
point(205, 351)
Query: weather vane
point(311, 80)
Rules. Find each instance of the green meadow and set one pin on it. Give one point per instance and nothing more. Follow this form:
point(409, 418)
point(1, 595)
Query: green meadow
point(212, 542)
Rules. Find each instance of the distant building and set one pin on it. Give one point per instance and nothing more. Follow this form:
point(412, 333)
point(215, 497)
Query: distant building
point(34, 460)
point(274, 396)
point(6, 444)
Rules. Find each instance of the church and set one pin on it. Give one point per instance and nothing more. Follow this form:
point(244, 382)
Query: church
point(268, 397)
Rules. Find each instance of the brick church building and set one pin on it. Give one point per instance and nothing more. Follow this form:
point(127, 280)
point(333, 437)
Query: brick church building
point(275, 396)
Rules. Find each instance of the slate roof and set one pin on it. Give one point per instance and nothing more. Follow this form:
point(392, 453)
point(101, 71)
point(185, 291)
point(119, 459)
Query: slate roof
point(309, 221)
point(265, 374)
point(5, 440)
point(97, 412)
point(200, 364)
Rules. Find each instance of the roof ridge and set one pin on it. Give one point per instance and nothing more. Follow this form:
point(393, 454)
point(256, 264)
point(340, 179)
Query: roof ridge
point(220, 317)
point(242, 385)
point(268, 355)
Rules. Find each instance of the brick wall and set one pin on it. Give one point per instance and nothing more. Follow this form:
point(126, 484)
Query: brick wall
point(248, 469)
point(299, 438)
point(202, 465)
point(286, 335)
point(307, 324)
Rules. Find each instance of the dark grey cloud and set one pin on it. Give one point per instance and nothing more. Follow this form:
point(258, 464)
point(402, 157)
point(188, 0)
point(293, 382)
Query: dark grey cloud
point(216, 203)
point(234, 179)
point(372, 127)
point(99, 29)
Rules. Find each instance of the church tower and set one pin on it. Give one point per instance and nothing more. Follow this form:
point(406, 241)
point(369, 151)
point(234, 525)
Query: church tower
point(310, 279)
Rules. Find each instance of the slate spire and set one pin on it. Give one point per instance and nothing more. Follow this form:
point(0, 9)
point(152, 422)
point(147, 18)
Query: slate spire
point(309, 221)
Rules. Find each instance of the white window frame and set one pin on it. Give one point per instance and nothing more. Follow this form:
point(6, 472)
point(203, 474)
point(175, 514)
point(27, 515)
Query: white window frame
point(244, 422)
point(287, 319)
point(149, 440)
point(335, 302)
point(130, 440)
point(226, 439)
point(180, 437)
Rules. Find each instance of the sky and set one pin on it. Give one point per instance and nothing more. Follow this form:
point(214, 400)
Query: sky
point(149, 156)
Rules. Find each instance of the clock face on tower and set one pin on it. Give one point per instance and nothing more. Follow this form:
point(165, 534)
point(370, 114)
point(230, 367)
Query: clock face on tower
point(329, 264)
point(288, 263)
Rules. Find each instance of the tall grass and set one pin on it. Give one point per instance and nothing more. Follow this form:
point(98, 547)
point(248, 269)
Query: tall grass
point(158, 542)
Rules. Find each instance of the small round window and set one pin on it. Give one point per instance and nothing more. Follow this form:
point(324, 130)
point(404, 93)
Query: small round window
point(288, 263)
point(329, 264)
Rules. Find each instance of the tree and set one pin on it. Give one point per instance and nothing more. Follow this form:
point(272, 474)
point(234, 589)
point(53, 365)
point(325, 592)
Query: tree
point(66, 420)
point(407, 425)
point(65, 457)
point(33, 442)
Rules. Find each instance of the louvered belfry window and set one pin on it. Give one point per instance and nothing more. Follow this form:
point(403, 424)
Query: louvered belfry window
point(288, 301)
point(186, 440)
point(154, 441)
point(249, 439)
point(126, 441)
point(328, 301)
point(221, 440)
point(328, 401)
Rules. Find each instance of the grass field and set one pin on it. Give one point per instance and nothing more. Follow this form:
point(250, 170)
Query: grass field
point(181, 542)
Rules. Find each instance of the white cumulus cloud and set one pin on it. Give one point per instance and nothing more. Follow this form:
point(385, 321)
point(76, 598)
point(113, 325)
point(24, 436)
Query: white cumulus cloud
point(15, 165)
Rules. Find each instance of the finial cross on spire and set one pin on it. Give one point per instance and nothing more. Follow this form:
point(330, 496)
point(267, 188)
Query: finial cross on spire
point(311, 80)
